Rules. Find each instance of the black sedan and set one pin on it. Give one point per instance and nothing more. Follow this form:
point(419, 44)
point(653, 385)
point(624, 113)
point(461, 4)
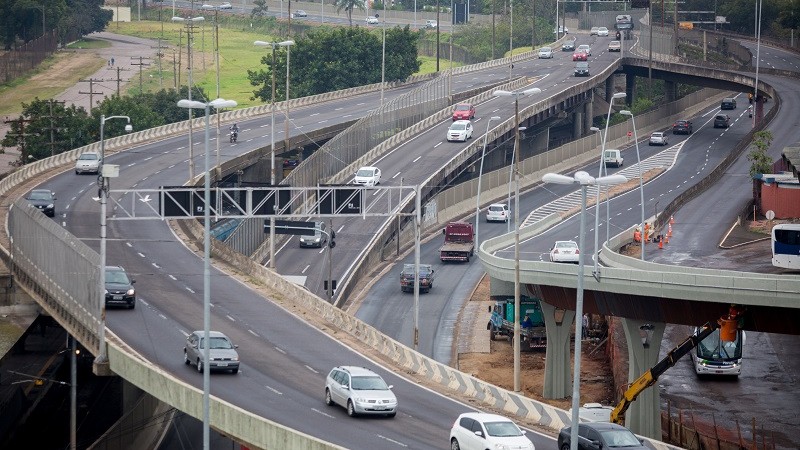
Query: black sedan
point(682, 127)
point(119, 288)
point(601, 435)
point(44, 200)
point(425, 278)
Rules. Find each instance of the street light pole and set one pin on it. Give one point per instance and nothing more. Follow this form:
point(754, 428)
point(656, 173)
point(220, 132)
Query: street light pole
point(480, 175)
point(273, 176)
point(216, 104)
point(584, 180)
point(596, 272)
point(625, 112)
point(189, 30)
point(517, 348)
point(102, 184)
point(383, 54)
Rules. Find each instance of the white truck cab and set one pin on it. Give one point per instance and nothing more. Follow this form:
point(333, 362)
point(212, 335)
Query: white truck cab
point(612, 158)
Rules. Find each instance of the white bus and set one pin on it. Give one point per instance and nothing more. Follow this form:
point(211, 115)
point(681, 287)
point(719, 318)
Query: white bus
point(786, 246)
point(715, 357)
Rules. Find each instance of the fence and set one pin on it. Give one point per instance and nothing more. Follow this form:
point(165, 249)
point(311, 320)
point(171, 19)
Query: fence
point(24, 58)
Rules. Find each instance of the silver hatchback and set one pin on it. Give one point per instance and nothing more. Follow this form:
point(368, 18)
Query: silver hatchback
point(88, 162)
point(360, 391)
point(222, 352)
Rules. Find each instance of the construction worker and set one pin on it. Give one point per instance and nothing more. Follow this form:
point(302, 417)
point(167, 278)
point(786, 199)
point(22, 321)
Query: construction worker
point(637, 235)
point(646, 232)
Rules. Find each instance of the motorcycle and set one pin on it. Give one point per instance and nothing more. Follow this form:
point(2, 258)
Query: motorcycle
point(233, 136)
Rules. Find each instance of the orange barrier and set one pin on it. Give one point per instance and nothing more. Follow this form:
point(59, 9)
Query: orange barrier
point(671, 220)
point(661, 244)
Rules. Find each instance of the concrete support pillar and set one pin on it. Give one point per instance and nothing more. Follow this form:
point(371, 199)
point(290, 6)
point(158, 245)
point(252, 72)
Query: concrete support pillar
point(577, 124)
point(644, 415)
point(541, 141)
point(630, 88)
point(609, 88)
point(557, 363)
point(670, 91)
point(588, 115)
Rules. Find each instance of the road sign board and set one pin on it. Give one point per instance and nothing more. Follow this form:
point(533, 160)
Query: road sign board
point(296, 227)
point(342, 200)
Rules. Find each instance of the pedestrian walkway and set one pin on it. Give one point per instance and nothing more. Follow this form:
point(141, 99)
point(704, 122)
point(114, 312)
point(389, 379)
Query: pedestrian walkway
point(123, 49)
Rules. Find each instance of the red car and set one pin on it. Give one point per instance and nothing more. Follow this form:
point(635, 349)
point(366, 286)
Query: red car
point(464, 111)
point(580, 56)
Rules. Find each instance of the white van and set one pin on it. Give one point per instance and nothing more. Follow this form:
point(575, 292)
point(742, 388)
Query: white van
point(612, 158)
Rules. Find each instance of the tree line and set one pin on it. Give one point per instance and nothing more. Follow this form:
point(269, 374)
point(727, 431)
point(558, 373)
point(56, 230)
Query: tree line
point(24, 20)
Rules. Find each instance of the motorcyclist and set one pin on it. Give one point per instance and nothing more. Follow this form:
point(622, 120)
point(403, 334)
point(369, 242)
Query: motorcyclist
point(234, 131)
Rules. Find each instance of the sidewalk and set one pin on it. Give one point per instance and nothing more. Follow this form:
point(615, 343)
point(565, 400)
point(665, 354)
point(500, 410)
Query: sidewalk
point(123, 49)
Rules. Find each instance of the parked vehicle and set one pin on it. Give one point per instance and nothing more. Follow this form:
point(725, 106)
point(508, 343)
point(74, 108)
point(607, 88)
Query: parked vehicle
point(722, 121)
point(431, 24)
point(582, 69)
point(372, 20)
point(601, 435)
point(464, 111)
point(682, 127)
point(88, 162)
point(425, 278)
point(479, 431)
point(728, 103)
point(459, 242)
point(532, 328)
point(497, 212)
point(222, 353)
point(658, 138)
point(360, 391)
point(545, 53)
point(44, 200)
point(613, 157)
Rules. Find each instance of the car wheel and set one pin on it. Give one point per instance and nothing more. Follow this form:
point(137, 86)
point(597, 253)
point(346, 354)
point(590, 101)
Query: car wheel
point(454, 444)
point(199, 366)
point(565, 446)
point(132, 305)
point(351, 411)
point(186, 358)
point(328, 399)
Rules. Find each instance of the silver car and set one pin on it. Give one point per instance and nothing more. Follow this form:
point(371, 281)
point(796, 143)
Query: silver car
point(658, 138)
point(222, 352)
point(360, 391)
point(88, 162)
point(318, 239)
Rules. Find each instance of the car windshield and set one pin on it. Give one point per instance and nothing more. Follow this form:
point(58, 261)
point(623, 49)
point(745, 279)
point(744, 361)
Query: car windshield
point(566, 245)
point(88, 157)
point(582, 65)
point(583, 47)
point(424, 269)
point(658, 134)
point(496, 208)
point(220, 343)
point(116, 276)
point(502, 429)
point(462, 107)
point(39, 195)
point(458, 126)
point(619, 438)
point(545, 49)
point(372, 383)
point(365, 173)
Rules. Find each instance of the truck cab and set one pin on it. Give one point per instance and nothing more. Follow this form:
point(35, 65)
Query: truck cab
point(459, 242)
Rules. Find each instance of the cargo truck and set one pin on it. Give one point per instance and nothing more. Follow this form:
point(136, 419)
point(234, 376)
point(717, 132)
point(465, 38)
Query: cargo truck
point(501, 324)
point(459, 242)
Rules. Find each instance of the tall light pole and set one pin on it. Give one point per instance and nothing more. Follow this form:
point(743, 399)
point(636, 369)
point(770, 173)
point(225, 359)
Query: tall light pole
point(516, 95)
point(596, 272)
point(273, 176)
point(383, 54)
point(102, 185)
point(758, 59)
point(625, 112)
point(216, 104)
point(480, 175)
point(189, 27)
point(584, 180)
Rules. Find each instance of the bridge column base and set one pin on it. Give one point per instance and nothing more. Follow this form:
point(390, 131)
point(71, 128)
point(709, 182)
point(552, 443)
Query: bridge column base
point(557, 375)
point(644, 414)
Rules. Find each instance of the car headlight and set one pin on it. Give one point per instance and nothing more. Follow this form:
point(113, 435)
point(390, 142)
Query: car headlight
point(360, 400)
point(131, 291)
point(49, 205)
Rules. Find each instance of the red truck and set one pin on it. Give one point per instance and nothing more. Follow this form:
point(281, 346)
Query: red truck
point(459, 242)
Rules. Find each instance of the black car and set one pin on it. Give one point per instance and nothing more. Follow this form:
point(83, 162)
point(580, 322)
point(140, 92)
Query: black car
point(425, 278)
point(722, 121)
point(119, 288)
point(601, 435)
point(582, 69)
point(44, 200)
point(682, 127)
point(728, 103)
point(568, 46)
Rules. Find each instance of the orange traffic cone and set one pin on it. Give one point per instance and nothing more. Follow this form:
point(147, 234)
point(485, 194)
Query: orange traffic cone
point(671, 220)
point(661, 244)
point(667, 238)
point(669, 230)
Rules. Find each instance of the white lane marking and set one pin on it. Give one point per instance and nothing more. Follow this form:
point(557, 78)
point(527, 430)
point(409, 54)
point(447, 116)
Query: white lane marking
point(395, 176)
point(274, 390)
point(253, 333)
point(311, 369)
point(230, 318)
point(143, 302)
point(184, 333)
point(338, 109)
point(190, 290)
point(340, 229)
point(316, 114)
point(348, 115)
point(306, 268)
point(440, 143)
point(173, 277)
point(162, 316)
point(321, 250)
point(417, 159)
point(392, 441)
point(64, 223)
point(180, 148)
point(158, 267)
point(320, 412)
point(140, 254)
point(280, 350)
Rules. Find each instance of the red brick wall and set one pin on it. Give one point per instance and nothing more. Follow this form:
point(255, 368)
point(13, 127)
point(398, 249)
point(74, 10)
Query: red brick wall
point(784, 200)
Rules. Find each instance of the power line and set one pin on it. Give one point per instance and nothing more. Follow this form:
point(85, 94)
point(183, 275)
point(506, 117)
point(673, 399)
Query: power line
point(20, 136)
point(141, 64)
point(91, 92)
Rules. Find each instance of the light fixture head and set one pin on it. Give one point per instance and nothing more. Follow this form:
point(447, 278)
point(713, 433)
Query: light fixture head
point(128, 128)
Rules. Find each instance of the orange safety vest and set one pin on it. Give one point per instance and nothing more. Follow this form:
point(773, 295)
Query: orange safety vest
point(637, 236)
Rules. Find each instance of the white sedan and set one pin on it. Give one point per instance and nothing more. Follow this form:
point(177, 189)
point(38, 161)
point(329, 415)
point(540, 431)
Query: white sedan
point(460, 130)
point(371, 20)
point(368, 176)
point(602, 31)
point(565, 251)
point(497, 212)
point(545, 53)
point(226, 5)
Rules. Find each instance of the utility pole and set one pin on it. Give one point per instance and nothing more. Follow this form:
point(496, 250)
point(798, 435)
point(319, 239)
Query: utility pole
point(21, 137)
point(91, 92)
point(52, 126)
point(140, 64)
point(160, 56)
point(118, 80)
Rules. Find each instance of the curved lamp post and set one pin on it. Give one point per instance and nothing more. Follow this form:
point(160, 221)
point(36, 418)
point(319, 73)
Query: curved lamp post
point(516, 95)
point(216, 104)
point(189, 22)
point(596, 272)
point(625, 112)
point(584, 180)
point(480, 174)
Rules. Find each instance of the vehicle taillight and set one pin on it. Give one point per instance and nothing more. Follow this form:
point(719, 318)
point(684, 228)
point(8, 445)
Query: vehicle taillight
point(577, 251)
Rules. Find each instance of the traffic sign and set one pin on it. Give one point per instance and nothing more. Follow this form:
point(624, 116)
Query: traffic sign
point(296, 227)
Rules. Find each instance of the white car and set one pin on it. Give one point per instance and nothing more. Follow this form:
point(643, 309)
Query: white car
point(431, 24)
point(658, 138)
point(478, 431)
point(226, 5)
point(585, 49)
point(602, 32)
point(497, 212)
point(565, 251)
point(562, 30)
point(207, 7)
point(593, 31)
point(545, 53)
point(360, 391)
point(88, 162)
point(371, 20)
point(300, 13)
point(460, 130)
point(368, 176)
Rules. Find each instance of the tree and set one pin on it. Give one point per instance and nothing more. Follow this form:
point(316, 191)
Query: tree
point(761, 162)
point(348, 6)
point(259, 9)
point(401, 53)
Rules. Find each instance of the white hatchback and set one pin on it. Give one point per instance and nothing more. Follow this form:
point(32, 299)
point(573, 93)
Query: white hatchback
point(602, 31)
point(565, 251)
point(545, 53)
point(88, 162)
point(371, 20)
point(460, 130)
point(497, 212)
point(368, 176)
point(478, 431)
